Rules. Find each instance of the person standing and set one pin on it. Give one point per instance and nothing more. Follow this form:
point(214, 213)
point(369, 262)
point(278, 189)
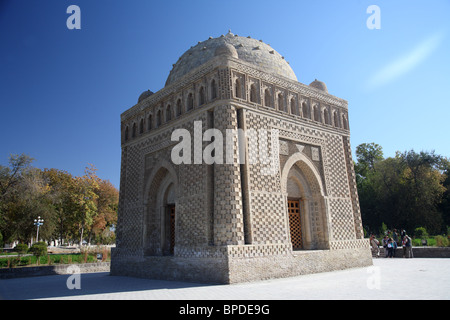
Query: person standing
point(408, 245)
point(390, 248)
point(375, 243)
point(404, 246)
point(395, 236)
point(385, 246)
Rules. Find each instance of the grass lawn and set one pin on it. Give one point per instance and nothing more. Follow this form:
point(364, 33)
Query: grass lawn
point(21, 261)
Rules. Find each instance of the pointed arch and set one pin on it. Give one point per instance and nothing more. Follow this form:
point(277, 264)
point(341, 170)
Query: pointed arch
point(134, 131)
point(179, 110)
point(190, 101)
point(267, 98)
point(253, 94)
point(336, 119)
point(238, 88)
point(307, 213)
point(160, 198)
point(213, 89)
point(201, 96)
point(305, 110)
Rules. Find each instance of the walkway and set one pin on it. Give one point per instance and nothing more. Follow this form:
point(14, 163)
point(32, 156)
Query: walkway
point(402, 278)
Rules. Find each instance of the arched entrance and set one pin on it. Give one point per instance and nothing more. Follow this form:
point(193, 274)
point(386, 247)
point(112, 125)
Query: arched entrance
point(160, 208)
point(169, 224)
point(306, 204)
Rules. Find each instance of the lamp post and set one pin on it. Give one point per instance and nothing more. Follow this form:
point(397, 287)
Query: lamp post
point(38, 222)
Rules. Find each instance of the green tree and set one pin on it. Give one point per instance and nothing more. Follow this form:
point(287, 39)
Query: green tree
point(73, 207)
point(445, 204)
point(368, 156)
point(39, 249)
point(61, 185)
point(24, 202)
point(10, 176)
point(405, 191)
point(423, 189)
point(85, 198)
point(107, 205)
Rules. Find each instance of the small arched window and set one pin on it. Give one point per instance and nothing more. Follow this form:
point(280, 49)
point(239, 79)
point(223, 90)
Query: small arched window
point(326, 116)
point(267, 98)
point(237, 89)
point(316, 114)
point(178, 108)
point(141, 126)
point(158, 118)
point(253, 95)
point(294, 109)
point(149, 122)
point(133, 132)
point(126, 133)
point(344, 122)
point(213, 89)
point(201, 97)
point(168, 113)
point(280, 102)
point(305, 110)
point(336, 120)
point(190, 102)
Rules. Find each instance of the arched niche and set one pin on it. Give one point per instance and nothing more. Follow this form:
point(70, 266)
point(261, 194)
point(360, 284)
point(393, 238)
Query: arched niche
point(306, 204)
point(160, 196)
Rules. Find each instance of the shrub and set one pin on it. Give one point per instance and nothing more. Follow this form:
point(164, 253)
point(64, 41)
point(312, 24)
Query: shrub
point(39, 249)
point(383, 228)
point(441, 241)
point(420, 233)
point(21, 248)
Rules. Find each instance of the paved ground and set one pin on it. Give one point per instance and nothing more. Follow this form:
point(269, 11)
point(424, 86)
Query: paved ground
point(399, 278)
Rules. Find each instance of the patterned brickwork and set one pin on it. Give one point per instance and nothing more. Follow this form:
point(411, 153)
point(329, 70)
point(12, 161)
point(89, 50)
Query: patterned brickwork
point(341, 219)
point(228, 217)
point(336, 170)
point(353, 190)
point(209, 199)
point(268, 218)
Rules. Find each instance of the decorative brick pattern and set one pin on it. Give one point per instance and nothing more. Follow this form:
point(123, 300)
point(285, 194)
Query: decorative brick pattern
point(216, 205)
point(268, 218)
point(341, 219)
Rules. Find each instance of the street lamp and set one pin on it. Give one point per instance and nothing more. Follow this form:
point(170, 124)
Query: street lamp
point(38, 222)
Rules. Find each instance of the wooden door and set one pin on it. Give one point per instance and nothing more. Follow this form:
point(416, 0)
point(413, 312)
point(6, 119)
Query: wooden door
point(295, 224)
point(172, 227)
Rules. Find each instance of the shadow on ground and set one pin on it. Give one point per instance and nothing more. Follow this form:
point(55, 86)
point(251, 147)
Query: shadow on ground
point(90, 283)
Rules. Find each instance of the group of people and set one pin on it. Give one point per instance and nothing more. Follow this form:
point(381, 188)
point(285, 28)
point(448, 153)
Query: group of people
point(391, 243)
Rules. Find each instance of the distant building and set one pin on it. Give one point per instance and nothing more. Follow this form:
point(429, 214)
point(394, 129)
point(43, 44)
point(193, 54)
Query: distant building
point(244, 219)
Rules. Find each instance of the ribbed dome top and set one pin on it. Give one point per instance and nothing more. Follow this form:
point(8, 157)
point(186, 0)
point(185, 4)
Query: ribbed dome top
point(247, 49)
point(144, 95)
point(319, 85)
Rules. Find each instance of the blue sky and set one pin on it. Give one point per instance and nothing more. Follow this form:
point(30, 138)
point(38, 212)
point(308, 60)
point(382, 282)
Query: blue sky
point(62, 91)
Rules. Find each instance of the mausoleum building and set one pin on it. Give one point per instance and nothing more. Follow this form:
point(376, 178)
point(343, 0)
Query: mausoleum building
point(279, 198)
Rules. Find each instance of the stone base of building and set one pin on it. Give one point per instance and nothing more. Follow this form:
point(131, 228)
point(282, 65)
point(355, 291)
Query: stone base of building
point(228, 270)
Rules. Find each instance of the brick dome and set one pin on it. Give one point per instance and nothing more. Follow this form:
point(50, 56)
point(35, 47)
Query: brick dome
point(144, 95)
point(319, 85)
point(245, 48)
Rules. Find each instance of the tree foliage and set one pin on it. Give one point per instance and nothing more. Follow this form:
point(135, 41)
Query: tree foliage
point(74, 208)
point(407, 191)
